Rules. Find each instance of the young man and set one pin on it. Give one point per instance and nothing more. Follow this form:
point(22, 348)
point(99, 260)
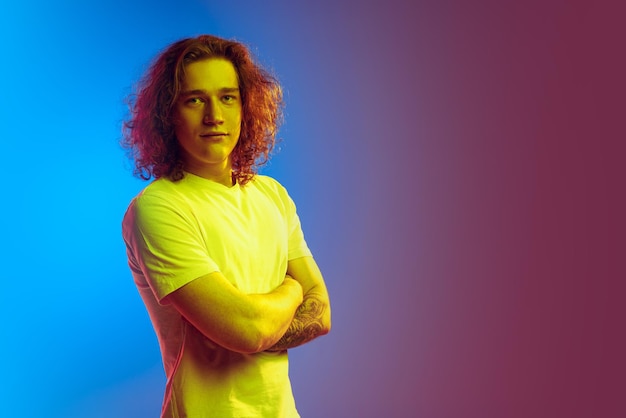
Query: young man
point(216, 250)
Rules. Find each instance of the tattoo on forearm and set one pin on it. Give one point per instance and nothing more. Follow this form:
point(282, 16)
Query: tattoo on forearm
point(306, 325)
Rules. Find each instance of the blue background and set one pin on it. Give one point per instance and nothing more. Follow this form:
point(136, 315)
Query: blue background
point(458, 168)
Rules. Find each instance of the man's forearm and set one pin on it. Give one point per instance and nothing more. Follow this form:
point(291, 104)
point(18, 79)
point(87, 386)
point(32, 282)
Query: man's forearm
point(244, 323)
point(312, 319)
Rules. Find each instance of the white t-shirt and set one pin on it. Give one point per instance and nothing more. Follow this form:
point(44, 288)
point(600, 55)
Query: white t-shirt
point(176, 232)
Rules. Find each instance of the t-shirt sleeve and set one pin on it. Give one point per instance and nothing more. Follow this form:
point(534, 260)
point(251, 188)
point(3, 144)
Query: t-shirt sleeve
point(296, 243)
point(164, 245)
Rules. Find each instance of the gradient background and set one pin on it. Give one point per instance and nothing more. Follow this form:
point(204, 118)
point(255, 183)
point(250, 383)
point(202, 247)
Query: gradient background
point(458, 168)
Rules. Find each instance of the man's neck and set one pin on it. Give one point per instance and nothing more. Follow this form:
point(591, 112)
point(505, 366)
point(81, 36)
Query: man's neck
point(223, 175)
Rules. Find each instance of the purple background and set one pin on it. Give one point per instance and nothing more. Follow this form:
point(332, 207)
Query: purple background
point(458, 168)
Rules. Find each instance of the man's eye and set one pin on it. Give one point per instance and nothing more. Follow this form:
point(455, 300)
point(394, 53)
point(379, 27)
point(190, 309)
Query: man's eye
point(229, 98)
point(194, 100)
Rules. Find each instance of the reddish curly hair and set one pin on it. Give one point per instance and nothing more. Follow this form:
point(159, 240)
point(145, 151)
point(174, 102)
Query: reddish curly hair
point(149, 135)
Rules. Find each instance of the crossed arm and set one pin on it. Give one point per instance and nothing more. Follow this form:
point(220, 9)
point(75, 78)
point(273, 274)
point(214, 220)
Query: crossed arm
point(312, 318)
point(293, 314)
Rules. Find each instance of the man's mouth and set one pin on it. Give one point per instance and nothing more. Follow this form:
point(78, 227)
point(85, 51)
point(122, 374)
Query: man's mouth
point(213, 134)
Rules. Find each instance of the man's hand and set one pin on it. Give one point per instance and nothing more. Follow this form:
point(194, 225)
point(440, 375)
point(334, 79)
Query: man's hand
point(293, 285)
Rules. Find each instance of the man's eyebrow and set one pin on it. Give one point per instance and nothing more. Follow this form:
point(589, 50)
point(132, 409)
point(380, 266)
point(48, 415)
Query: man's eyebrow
point(204, 92)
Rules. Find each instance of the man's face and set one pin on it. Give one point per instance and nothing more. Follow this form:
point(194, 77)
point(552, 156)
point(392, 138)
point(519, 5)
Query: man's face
point(208, 116)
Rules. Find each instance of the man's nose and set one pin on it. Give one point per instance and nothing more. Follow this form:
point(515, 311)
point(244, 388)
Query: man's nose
point(213, 114)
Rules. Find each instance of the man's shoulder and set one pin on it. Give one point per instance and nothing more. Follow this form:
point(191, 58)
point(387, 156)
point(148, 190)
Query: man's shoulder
point(267, 181)
point(161, 184)
point(272, 189)
point(268, 185)
point(163, 188)
point(161, 192)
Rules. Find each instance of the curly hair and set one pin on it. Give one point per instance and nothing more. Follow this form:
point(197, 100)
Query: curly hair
point(149, 136)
